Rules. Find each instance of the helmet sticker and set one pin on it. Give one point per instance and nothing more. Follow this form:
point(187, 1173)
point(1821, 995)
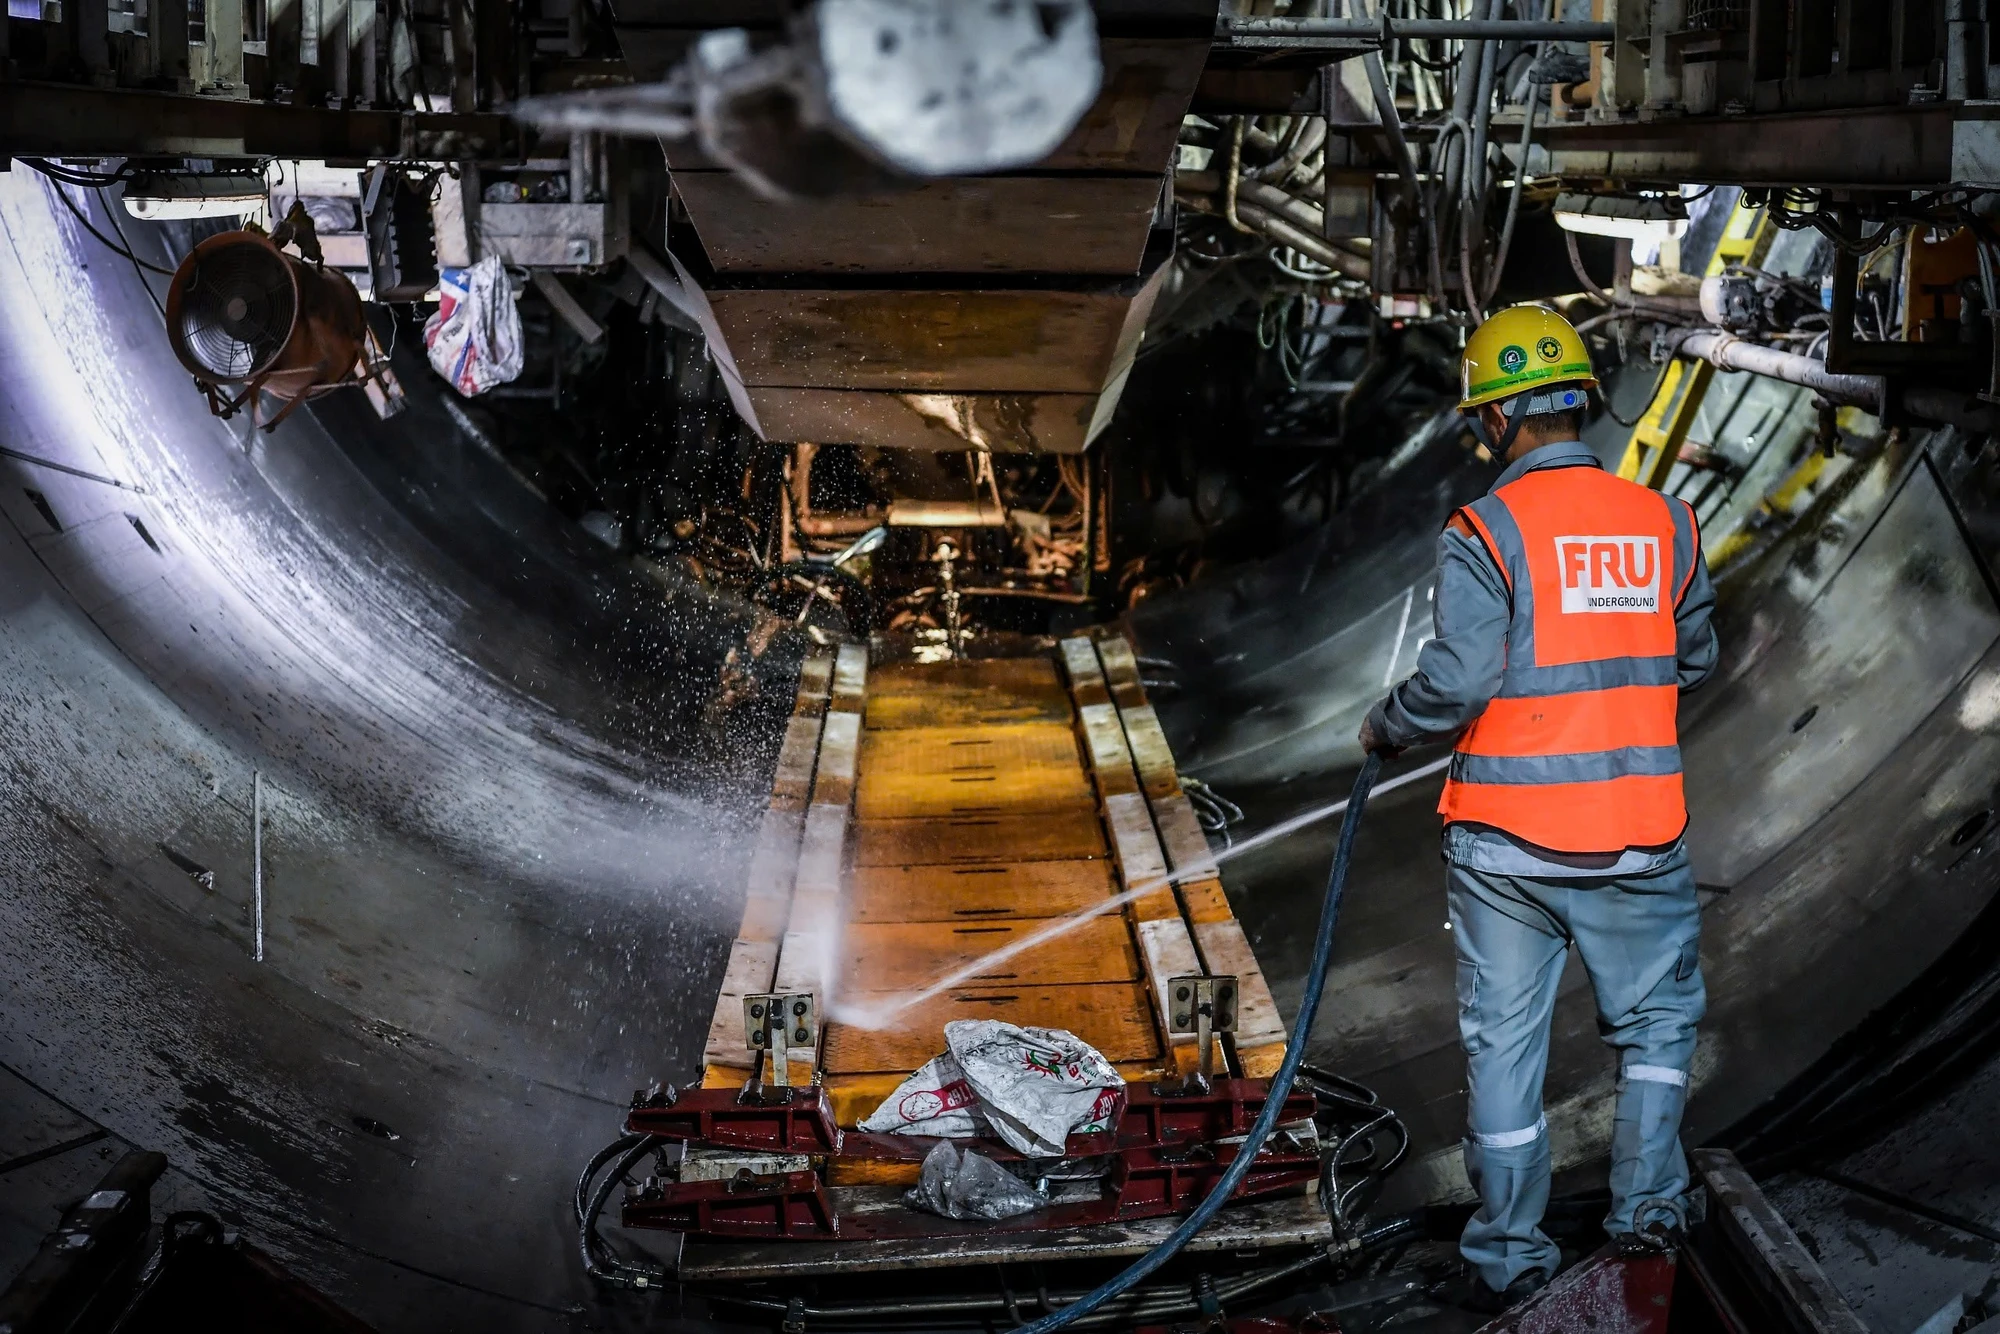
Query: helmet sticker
point(1513, 359)
point(1549, 349)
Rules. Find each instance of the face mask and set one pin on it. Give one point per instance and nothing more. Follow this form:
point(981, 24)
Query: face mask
point(1517, 412)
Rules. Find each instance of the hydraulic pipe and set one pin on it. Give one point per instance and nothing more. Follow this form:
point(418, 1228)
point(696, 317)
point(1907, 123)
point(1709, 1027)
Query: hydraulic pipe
point(1727, 352)
point(1506, 30)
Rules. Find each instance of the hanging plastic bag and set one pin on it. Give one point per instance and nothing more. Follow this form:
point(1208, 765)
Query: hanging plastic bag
point(1037, 1086)
point(966, 1184)
point(474, 339)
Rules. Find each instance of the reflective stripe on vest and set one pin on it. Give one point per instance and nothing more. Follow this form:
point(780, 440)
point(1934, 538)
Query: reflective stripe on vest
point(1579, 751)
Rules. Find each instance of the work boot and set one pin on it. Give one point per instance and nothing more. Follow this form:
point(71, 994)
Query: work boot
point(1469, 1292)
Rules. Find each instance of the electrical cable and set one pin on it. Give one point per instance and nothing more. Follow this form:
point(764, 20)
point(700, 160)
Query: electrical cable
point(75, 176)
point(1534, 100)
point(604, 1155)
point(111, 213)
point(90, 227)
point(1513, 199)
point(1274, 1097)
point(608, 1268)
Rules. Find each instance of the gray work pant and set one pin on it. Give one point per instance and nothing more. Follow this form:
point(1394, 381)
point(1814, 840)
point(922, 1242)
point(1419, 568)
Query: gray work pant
point(1639, 940)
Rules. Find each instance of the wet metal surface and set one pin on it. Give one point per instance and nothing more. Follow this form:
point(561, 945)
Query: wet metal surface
point(501, 838)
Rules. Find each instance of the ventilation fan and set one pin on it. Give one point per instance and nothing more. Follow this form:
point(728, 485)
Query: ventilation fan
point(247, 320)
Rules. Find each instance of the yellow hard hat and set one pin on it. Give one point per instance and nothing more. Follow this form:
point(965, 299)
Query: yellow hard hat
point(1518, 349)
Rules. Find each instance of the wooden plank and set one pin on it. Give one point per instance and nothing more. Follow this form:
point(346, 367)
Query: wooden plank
point(1104, 741)
point(1260, 1062)
point(775, 858)
point(861, 1172)
point(1121, 666)
point(854, 1097)
point(753, 957)
point(820, 849)
point(850, 672)
point(1168, 952)
point(920, 953)
point(1114, 1017)
point(1205, 902)
point(805, 963)
point(972, 893)
point(1151, 755)
point(1080, 661)
point(1133, 842)
point(833, 780)
point(764, 916)
point(793, 782)
point(966, 693)
point(1157, 906)
point(1226, 951)
point(1182, 837)
point(1064, 835)
point(986, 748)
point(940, 771)
point(752, 964)
point(992, 340)
point(815, 678)
point(815, 914)
point(812, 933)
point(987, 224)
point(1034, 674)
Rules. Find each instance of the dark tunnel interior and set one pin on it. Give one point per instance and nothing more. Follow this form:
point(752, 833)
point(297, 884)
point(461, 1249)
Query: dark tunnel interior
point(501, 685)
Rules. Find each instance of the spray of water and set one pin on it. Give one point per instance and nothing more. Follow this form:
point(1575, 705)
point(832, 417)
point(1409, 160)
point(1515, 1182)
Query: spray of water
point(883, 1012)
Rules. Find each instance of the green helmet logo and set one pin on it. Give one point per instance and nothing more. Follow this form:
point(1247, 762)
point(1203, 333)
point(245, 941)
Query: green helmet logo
point(1513, 359)
point(1549, 349)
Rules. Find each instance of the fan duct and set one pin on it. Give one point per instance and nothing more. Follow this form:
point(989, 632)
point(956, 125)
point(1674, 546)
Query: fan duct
point(246, 319)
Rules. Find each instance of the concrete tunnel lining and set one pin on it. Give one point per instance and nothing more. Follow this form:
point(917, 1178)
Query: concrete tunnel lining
point(431, 728)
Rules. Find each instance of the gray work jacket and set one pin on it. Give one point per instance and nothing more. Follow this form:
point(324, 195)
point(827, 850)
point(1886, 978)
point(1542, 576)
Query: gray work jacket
point(1459, 668)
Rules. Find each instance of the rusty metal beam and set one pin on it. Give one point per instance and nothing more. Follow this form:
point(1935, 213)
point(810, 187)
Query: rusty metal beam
point(67, 120)
point(1770, 1253)
point(1890, 148)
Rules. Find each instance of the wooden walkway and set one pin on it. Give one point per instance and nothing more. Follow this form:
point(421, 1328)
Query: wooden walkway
point(927, 814)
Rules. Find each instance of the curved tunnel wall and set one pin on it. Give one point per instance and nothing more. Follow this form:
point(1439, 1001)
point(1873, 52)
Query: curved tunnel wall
point(502, 837)
point(1841, 772)
point(502, 832)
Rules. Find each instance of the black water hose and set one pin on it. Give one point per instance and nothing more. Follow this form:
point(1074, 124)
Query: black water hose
point(608, 1268)
point(596, 1165)
point(1274, 1099)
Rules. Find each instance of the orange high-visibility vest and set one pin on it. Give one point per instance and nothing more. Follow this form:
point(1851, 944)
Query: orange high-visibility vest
point(1579, 751)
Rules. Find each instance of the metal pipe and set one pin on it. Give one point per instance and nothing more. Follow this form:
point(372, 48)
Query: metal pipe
point(1963, 68)
point(257, 862)
point(1953, 407)
point(1727, 352)
point(1515, 30)
point(1289, 234)
point(579, 166)
point(1392, 123)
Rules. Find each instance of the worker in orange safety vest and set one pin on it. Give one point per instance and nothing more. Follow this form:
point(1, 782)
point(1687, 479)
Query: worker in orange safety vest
point(1572, 609)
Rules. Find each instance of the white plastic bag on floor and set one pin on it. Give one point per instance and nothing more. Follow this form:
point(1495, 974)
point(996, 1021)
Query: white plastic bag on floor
point(474, 339)
point(1033, 1087)
point(935, 1100)
point(1037, 1086)
point(970, 1185)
